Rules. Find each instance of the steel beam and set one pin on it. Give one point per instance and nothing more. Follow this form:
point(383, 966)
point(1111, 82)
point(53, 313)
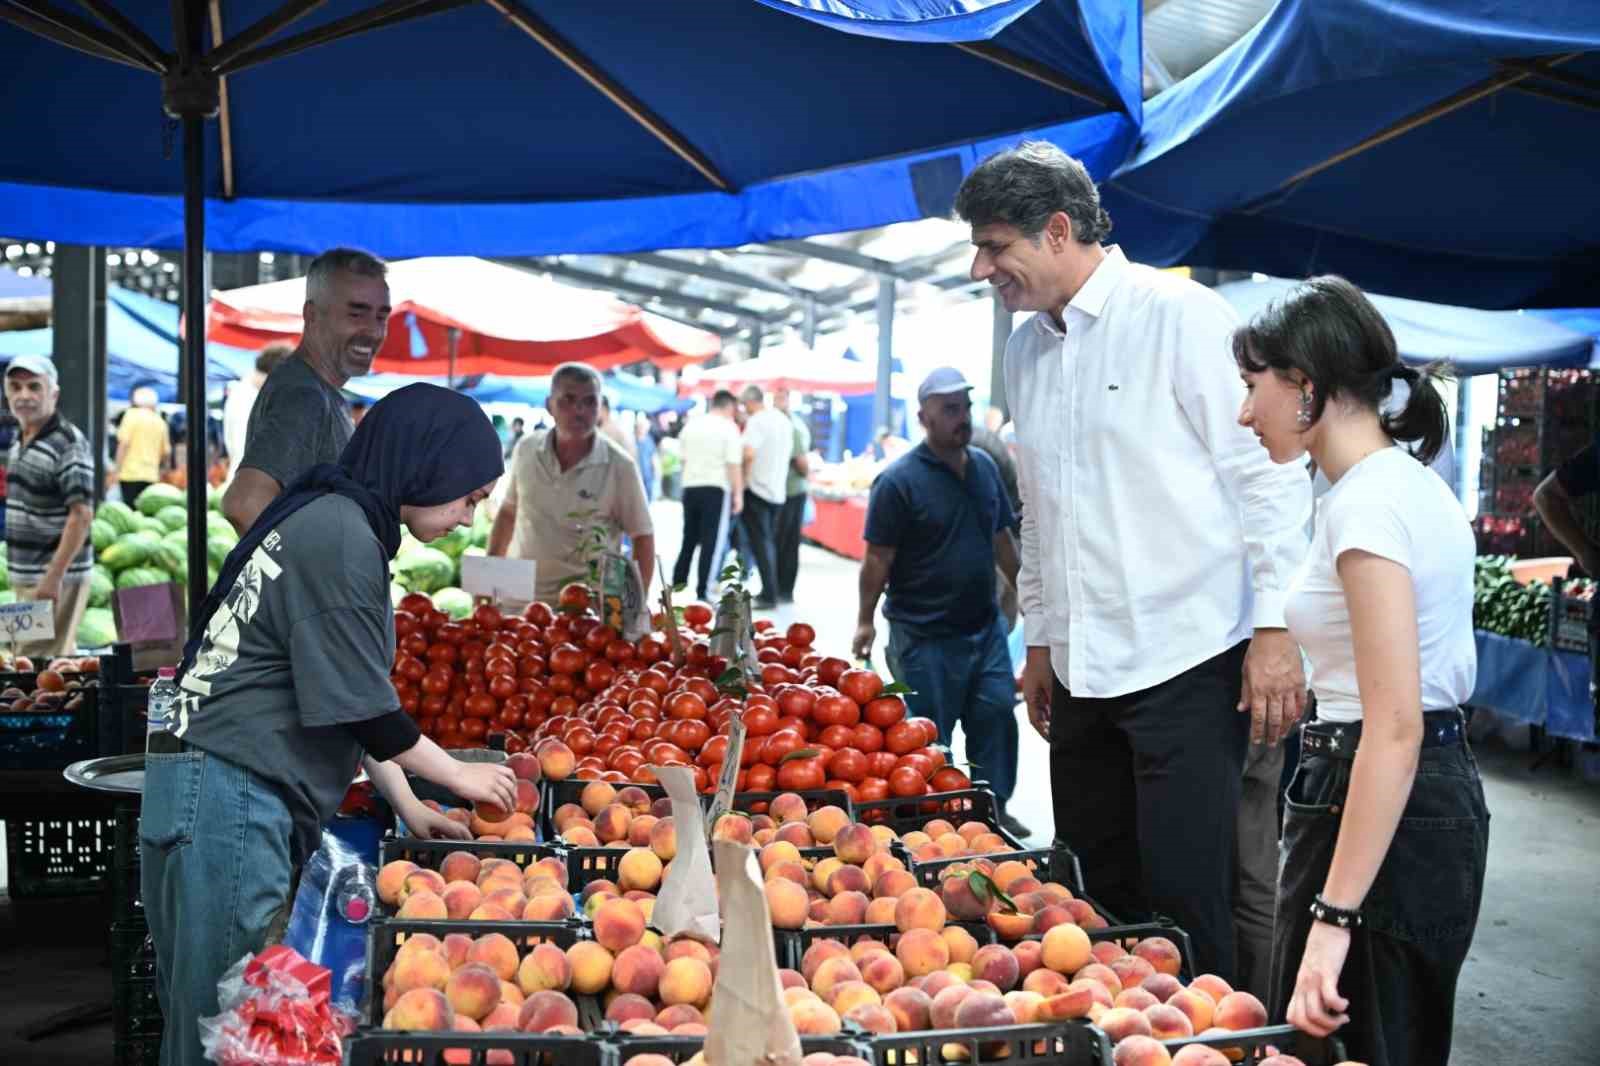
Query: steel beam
point(78, 342)
point(713, 272)
point(606, 281)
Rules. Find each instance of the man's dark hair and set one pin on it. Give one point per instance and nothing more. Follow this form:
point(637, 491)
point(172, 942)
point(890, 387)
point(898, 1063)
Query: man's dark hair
point(269, 357)
point(722, 399)
point(1024, 186)
point(517, 423)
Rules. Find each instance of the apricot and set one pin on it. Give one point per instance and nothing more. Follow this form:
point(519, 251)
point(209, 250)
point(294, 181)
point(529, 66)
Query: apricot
point(873, 1017)
point(1024, 1005)
point(776, 852)
point(1140, 1050)
point(1073, 1002)
point(456, 949)
point(970, 831)
point(1211, 985)
point(919, 908)
point(795, 834)
point(824, 870)
point(1131, 970)
point(1200, 1055)
point(567, 814)
point(1065, 949)
point(591, 967)
point(543, 1011)
point(556, 760)
point(392, 877)
point(491, 912)
point(1168, 1022)
point(638, 970)
point(1104, 951)
point(882, 971)
point(544, 969)
point(421, 880)
point(942, 1014)
point(503, 1018)
point(580, 836)
point(734, 827)
point(460, 899)
point(1161, 953)
point(814, 1018)
point(679, 1014)
point(996, 964)
point(962, 944)
point(686, 948)
point(1051, 915)
point(1027, 955)
point(961, 900)
point(548, 908)
point(1009, 927)
point(510, 993)
point(881, 911)
point(686, 980)
point(819, 952)
point(596, 797)
point(640, 870)
point(611, 824)
point(848, 995)
point(1239, 1010)
point(1135, 999)
point(848, 879)
point(880, 863)
point(922, 951)
point(787, 807)
point(420, 1009)
point(1162, 985)
point(1046, 982)
point(618, 924)
point(833, 972)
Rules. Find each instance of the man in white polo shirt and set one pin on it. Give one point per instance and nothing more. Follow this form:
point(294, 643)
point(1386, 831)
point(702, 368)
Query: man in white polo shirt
point(1158, 540)
point(566, 479)
point(713, 488)
point(768, 446)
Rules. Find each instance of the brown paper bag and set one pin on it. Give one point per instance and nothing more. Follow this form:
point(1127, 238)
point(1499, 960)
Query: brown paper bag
point(687, 902)
point(750, 1026)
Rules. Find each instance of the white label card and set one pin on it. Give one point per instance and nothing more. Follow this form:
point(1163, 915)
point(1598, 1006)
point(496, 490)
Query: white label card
point(509, 581)
point(35, 620)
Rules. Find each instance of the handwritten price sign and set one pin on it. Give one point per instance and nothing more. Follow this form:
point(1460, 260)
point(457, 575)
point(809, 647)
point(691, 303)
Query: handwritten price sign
point(27, 621)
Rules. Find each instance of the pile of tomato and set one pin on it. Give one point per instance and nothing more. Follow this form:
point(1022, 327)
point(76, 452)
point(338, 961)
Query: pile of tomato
point(556, 675)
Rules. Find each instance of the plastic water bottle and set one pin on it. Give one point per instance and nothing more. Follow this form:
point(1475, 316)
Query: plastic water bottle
point(358, 893)
point(163, 694)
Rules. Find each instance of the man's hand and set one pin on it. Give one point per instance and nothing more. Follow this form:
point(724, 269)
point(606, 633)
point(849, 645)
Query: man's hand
point(1038, 685)
point(861, 645)
point(48, 588)
point(425, 822)
point(736, 503)
point(1274, 690)
point(484, 782)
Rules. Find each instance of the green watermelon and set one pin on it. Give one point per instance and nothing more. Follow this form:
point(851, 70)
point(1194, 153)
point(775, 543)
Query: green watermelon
point(217, 526)
point(100, 585)
point(158, 496)
point(424, 569)
point(178, 538)
point(454, 602)
point(173, 560)
point(217, 549)
point(135, 576)
point(134, 549)
point(8, 596)
point(173, 517)
point(118, 514)
point(101, 534)
point(97, 628)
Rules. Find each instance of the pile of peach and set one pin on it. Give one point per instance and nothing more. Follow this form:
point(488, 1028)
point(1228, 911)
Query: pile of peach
point(816, 1058)
point(465, 888)
point(469, 984)
point(942, 839)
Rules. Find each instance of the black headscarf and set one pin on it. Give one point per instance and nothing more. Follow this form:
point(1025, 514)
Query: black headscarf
point(420, 446)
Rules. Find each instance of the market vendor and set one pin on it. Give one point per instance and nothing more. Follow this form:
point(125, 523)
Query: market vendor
point(1576, 478)
point(1386, 834)
point(285, 693)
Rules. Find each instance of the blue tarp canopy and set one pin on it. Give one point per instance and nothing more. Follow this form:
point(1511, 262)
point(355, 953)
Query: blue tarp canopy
point(20, 290)
point(465, 132)
point(627, 392)
point(1482, 194)
point(1473, 341)
point(141, 347)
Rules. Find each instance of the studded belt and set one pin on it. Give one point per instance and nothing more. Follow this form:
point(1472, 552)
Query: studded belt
point(1339, 740)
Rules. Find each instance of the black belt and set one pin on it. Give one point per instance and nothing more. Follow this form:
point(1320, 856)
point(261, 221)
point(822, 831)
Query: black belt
point(165, 744)
point(1339, 740)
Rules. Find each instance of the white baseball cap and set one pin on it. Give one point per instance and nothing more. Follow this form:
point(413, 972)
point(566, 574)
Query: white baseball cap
point(941, 382)
point(41, 365)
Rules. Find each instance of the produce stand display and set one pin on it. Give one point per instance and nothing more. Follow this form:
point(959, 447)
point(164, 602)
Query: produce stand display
point(1543, 416)
point(839, 524)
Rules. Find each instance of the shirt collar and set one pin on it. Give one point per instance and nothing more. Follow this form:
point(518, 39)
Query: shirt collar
point(596, 452)
point(1091, 298)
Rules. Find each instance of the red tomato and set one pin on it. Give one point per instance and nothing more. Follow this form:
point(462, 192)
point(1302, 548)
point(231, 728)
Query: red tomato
point(881, 764)
point(862, 686)
point(761, 778)
point(405, 623)
point(685, 705)
point(619, 651)
point(642, 728)
point(597, 638)
point(436, 682)
point(566, 659)
point(415, 644)
point(920, 763)
point(801, 635)
point(949, 779)
point(872, 788)
point(836, 710)
point(697, 614)
point(482, 706)
point(907, 781)
point(903, 737)
point(411, 668)
point(487, 617)
point(848, 764)
point(867, 737)
point(830, 670)
point(539, 613)
point(754, 748)
point(759, 720)
point(713, 750)
point(650, 650)
point(474, 729)
point(531, 666)
point(884, 711)
point(562, 684)
point(575, 594)
point(796, 701)
point(797, 775)
point(930, 729)
point(703, 688)
point(835, 736)
point(933, 755)
point(690, 734)
point(508, 719)
point(415, 604)
point(599, 674)
point(502, 686)
point(410, 701)
point(500, 665)
point(780, 744)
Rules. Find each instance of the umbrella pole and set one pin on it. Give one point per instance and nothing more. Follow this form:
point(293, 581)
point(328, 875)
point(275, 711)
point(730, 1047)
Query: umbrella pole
point(194, 347)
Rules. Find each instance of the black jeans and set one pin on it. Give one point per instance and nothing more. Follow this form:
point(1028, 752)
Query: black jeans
point(760, 520)
point(132, 489)
point(1400, 975)
point(790, 519)
point(1146, 791)
point(702, 527)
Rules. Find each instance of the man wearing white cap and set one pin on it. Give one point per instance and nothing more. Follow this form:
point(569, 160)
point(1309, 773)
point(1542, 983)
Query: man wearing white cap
point(49, 503)
point(938, 522)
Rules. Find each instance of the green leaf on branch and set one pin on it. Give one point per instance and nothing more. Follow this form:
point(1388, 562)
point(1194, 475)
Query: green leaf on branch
point(799, 753)
point(985, 889)
point(899, 688)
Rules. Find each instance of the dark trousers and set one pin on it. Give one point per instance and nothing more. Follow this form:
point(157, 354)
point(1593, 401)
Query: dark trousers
point(131, 490)
point(703, 507)
point(760, 521)
point(790, 519)
point(1400, 975)
point(964, 679)
point(1146, 791)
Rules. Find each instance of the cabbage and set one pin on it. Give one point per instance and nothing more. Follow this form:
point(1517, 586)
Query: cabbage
point(158, 496)
point(97, 628)
point(454, 602)
point(424, 570)
point(173, 517)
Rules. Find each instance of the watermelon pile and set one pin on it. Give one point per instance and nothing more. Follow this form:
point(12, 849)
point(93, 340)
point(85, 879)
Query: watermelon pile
point(435, 569)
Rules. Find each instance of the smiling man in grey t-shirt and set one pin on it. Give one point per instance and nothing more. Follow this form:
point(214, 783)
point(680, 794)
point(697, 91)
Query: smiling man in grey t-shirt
point(300, 418)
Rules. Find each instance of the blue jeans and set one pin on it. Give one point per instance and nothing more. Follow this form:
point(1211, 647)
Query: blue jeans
point(965, 679)
point(215, 871)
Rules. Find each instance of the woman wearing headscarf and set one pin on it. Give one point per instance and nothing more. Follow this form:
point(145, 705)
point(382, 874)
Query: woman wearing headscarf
point(285, 693)
point(1385, 834)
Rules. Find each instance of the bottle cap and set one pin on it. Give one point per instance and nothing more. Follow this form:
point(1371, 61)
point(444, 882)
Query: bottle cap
point(167, 673)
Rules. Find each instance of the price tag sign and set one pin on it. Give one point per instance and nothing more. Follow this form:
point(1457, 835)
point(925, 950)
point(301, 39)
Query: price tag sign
point(35, 620)
point(510, 582)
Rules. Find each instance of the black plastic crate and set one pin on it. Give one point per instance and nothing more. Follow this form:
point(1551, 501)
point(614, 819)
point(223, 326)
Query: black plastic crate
point(30, 740)
point(683, 1048)
point(554, 794)
point(430, 853)
point(1253, 1045)
point(137, 1051)
point(511, 1049)
point(929, 871)
point(135, 1008)
point(58, 856)
point(385, 937)
point(127, 903)
point(1058, 1043)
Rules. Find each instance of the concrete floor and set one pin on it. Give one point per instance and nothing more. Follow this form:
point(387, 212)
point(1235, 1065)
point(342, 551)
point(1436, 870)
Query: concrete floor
point(1530, 990)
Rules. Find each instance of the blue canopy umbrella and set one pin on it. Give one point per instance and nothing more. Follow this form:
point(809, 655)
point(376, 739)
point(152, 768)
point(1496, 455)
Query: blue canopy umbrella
point(518, 127)
point(1442, 150)
point(627, 392)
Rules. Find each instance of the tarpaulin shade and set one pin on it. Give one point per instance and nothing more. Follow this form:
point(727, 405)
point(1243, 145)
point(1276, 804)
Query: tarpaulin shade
point(1441, 150)
point(794, 367)
point(508, 321)
point(625, 391)
point(1473, 341)
point(571, 127)
point(19, 293)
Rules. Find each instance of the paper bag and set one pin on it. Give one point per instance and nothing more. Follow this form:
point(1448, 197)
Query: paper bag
point(687, 902)
point(153, 619)
point(750, 1025)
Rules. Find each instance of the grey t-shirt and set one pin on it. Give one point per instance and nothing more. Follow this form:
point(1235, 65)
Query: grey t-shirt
point(298, 421)
point(300, 647)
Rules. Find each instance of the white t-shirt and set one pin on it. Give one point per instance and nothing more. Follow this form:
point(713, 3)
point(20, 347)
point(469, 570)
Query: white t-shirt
point(1391, 506)
point(770, 435)
point(236, 420)
point(1444, 464)
point(709, 443)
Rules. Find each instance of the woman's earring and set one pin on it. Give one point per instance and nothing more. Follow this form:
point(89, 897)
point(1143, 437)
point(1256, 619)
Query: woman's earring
point(1304, 416)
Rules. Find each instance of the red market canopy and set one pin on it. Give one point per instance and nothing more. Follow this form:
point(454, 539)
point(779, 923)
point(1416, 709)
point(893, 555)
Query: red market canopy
point(509, 322)
point(795, 367)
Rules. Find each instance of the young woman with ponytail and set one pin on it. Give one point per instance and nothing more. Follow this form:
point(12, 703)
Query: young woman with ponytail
point(1385, 832)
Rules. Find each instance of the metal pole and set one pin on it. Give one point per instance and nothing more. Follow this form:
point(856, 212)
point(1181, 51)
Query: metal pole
point(1463, 422)
point(455, 338)
point(194, 351)
point(997, 356)
point(880, 401)
point(78, 344)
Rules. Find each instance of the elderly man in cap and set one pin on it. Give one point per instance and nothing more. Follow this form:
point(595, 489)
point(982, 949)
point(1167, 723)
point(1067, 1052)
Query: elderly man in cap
point(938, 522)
point(49, 503)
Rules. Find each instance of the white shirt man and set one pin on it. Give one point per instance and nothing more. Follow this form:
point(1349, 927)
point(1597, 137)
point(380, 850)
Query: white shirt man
point(768, 446)
point(713, 489)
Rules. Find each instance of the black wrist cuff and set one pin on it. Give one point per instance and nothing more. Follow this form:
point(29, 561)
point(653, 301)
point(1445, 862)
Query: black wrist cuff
point(1325, 912)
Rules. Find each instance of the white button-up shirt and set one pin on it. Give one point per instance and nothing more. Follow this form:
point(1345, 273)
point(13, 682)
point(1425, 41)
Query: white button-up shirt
point(1156, 532)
